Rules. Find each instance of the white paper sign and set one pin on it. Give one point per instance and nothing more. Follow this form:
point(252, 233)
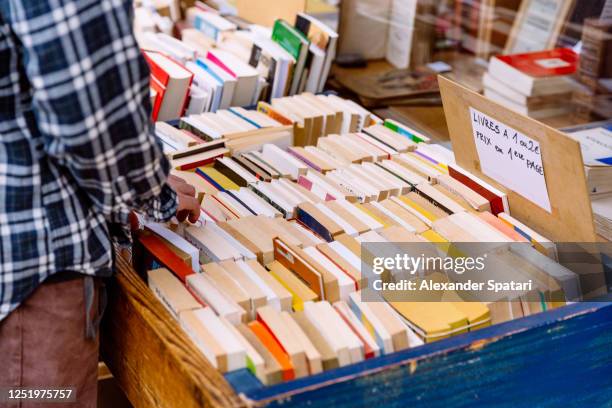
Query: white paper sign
point(401, 29)
point(510, 158)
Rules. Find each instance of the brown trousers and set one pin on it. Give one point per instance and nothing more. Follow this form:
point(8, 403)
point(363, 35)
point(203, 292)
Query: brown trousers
point(45, 342)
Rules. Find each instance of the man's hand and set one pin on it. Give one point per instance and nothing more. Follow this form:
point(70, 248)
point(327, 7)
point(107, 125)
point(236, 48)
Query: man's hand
point(188, 206)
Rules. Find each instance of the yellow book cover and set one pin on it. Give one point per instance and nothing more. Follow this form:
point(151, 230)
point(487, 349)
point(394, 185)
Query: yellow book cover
point(428, 215)
point(426, 318)
point(217, 177)
point(300, 293)
point(371, 214)
point(433, 236)
point(440, 166)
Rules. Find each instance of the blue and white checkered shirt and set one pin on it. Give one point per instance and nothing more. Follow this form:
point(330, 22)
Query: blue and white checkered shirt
point(77, 151)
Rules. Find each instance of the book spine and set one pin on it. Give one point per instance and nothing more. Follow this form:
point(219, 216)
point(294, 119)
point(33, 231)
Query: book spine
point(206, 28)
point(312, 224)
point(190, 128)
point(596, 45)
point(241, 116)
point(313, 188)
point(286, 39)
point(160, 91)
point(200, 149)
point(367, 324)
point(268, 200)
point(206, 256)
point(225, 206)
point(215, 60)
point(198, 163)
point(164, 255)
point(299, 269)
point(212, 181)
point(187, 94)
point(496, 202)
point(230, 174)
point(432, 201)
point(305, 160)
point(254, 162)
point(404, 132)
point(412, 185)
point(267, 110)
point(267, 96)
point(242, 203)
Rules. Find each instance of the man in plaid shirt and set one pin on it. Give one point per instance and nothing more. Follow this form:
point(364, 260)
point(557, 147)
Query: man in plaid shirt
point(77, 156)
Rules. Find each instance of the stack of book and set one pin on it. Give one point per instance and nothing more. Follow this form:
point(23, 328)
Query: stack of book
point(270, 278)
point(300, 282)
point(288, 122)
point(602, 214)
point(538, 84)
point(320, 115)
point(170, 83)
point(222, 65)
point(594, 100)
point(596, 145)
point(596, 45)
point(241, 130)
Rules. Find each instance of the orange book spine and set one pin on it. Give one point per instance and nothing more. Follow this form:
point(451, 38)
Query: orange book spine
point(268, 110)
point(502, 227)
point(291, 261)
point(268, 340)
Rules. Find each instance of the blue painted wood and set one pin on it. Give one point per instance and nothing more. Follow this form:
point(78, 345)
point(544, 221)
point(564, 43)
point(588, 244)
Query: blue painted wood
point(248, 382)
point(559, 358)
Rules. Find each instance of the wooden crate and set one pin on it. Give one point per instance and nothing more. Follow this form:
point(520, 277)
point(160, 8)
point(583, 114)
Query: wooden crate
point(559, 358)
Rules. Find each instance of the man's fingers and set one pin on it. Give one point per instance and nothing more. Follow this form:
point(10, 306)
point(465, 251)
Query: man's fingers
point(189, 207)
point(182, 215)
point(186, 189)
point(181, 186)
point(174, 180)
point(194, 217)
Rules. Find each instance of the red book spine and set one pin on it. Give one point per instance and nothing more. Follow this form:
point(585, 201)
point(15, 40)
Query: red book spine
point(195, 296)
point(497, 203)
point(156, 71)
point(164, 255)
point(159, 81)
point(225, 206)
point(199, 163)
point(368, 352)
point(160, 89)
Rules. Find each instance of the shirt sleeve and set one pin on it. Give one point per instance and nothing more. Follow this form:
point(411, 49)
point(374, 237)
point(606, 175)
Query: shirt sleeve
point(90, 96)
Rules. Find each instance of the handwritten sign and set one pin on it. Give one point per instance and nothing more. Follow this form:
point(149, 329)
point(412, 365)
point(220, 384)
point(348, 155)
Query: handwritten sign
point(510, 158)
